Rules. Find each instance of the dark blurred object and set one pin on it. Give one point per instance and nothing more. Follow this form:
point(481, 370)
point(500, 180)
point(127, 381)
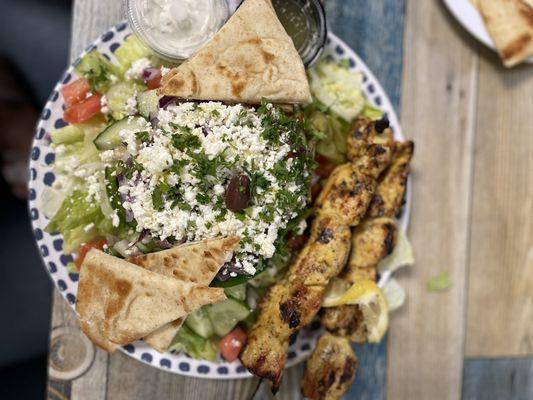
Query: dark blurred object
point(18, 116)
point(34, 39)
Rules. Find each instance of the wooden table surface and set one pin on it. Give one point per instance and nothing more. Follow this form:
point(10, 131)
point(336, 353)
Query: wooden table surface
point(472, 216)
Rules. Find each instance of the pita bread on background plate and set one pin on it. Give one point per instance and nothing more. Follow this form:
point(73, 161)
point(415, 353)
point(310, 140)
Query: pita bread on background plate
point(197, 262)
point(252, 57)
point(119, 302)
point(510, 24)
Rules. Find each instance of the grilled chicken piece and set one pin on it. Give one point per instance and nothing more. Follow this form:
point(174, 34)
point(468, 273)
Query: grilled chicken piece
point(372, 241)
point(292, 303)
point(390, 193)
point(330, 370)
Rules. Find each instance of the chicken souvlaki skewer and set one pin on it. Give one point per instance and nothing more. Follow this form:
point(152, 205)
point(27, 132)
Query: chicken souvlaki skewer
point(293, 302)
point(331, 368)
point(372, 241)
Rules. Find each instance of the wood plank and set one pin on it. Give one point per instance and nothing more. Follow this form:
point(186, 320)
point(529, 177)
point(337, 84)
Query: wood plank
point(500, 297)
point(438, 97)
point(505, 378)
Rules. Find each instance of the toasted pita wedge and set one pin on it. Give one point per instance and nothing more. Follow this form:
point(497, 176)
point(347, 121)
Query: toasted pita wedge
point(510, 24)
point(252, 57)
point(197, 262)
point(119, 302)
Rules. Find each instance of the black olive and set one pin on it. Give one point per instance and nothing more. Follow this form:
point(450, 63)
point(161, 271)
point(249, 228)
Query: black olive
point(381, 125)
point(238, 193)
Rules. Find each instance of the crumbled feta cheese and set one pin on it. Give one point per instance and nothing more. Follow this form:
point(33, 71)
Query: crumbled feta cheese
point(115, 220)
point(131, 105)
point(89, 227)
point(137, 68)
point(164, 70)
point(103, 105)
point(185, 167)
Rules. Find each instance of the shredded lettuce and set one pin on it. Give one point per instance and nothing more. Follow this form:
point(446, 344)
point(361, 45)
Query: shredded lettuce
point(194, 345)
point(74, 217)
point(129, 51)
point(371, 112)
point(440, 283)
point(338, 88)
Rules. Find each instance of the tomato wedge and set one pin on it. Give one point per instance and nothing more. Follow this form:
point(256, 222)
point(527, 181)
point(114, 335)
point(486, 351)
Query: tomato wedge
point(231, 345)
point(155, 82)
point(75, 91)
point(95, 244)
point(84, 110)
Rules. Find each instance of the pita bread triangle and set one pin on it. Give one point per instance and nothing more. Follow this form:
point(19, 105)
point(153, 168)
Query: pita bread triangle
point(119, 302)
point(252, 57)
point(196, 262)
point(510, 24)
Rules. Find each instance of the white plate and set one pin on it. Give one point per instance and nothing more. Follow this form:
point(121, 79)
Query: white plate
point(469, 16)
point(50, 246)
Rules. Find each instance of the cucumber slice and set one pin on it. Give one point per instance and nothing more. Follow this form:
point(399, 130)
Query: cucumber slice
point(118, 96)
point(200, 323)
point(148, 102)
point(67, 135)
point(225, 315)
point(236, 292)
point(110, 138)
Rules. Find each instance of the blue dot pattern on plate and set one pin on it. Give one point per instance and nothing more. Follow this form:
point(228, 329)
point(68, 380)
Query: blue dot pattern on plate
point(147, 357)
point(165, 363)
point(44, 250)
point(339, 50)
point(60, 123)
point(121, 27)
point(49, 178)
point(46, 114)
point(240, 369)
point(306, 347)
point(34, 214)
point(52, 267)
point(66, 78)
point(32, 195)
point(129, 348)
point(71, 298)
point(49, 158)
point(35, 153)
point(184, 366)
point(222, 370)
point(33, 174)
point(54, 95)
point(74, 277)
point(114, 46)
point(203, 369)
point(58, 244)
point(291, 355)
point(106, 37)
point(40, 133)
point(65, 259)
point(62, 285)
point(38, 234)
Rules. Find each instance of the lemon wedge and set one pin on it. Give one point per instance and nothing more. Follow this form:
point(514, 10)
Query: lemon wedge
point(368, 296)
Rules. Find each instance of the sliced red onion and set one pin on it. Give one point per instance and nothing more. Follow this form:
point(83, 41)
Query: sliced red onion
point(163, 244)
point(154, 121)
point(151, 73)
point(165, 101)
point(206, 130)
